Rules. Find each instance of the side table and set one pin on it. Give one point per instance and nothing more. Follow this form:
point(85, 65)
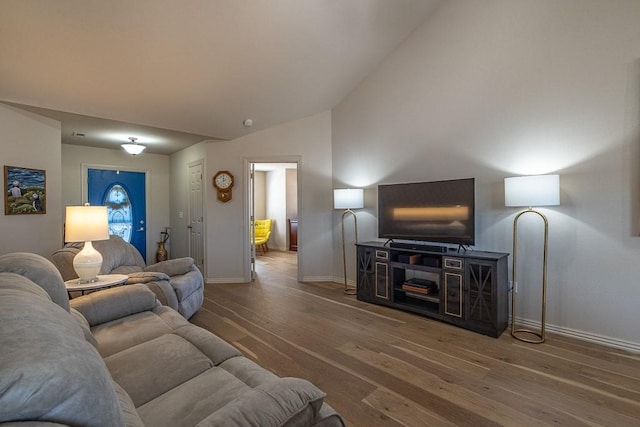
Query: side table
point(104, 281)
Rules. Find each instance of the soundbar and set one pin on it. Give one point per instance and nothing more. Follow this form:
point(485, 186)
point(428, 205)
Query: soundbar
point(419, 247)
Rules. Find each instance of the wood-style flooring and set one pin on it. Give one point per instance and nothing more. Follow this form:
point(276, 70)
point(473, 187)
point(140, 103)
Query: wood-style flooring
point(384, 367)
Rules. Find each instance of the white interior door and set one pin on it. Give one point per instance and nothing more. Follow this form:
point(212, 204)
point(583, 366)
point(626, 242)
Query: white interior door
point(196, 214)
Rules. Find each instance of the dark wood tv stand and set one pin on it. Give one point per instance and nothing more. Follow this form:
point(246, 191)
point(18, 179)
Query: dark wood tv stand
point(468, 289)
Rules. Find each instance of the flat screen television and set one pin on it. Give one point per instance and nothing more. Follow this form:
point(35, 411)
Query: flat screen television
point(437, 211)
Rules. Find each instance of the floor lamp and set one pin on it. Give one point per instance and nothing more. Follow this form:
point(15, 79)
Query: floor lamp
point(535, 190)
point(348, 199)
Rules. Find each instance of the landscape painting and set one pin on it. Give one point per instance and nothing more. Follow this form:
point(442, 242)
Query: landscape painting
point(24, 191)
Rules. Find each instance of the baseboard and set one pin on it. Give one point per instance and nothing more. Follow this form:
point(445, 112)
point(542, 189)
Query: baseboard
point(225, 280)
point(317, 279)
point(582, 335)
point(350, 283)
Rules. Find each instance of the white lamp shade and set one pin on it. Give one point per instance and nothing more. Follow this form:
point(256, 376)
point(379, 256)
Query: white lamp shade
point(86, 223)
point(534, 190)
point(348, 198)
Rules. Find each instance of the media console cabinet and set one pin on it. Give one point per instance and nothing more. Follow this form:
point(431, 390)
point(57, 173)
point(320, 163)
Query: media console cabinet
point(468, 289)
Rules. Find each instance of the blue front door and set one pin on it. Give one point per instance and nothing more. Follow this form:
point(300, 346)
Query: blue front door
point(123, 193)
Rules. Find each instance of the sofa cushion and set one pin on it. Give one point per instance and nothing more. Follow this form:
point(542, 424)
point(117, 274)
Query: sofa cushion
point(193, 400)
point(120, 334)
point(155, 367)
point(212, 346)
point(48, 371)
point(283, 402)
point(247, 371)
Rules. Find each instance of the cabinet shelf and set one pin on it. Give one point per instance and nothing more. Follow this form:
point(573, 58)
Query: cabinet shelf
point(432, 297)
point(417, 267)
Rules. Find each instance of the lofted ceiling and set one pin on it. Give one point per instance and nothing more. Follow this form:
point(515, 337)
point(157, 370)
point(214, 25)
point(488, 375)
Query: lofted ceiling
point(176, 72)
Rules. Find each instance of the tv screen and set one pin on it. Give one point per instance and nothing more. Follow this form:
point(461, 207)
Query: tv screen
point(437, 211)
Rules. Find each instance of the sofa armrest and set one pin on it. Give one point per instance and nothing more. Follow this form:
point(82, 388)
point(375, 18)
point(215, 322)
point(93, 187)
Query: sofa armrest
point(146, 277)
point(159, 284)
point(282, 402)
point(173, 267)
point(115, 303)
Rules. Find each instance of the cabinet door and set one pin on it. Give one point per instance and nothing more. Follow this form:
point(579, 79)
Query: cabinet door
point(453, 301)
point(366, 277)
point(481, 285)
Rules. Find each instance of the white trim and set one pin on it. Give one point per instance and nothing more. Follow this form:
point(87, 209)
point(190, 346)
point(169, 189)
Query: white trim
point(247, 241)
point(219, 280)
point(583, 335)
point(350, 283)
point(318, 279)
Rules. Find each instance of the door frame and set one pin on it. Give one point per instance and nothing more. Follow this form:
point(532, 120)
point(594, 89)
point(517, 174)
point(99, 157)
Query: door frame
point(84, 180)
point(204, 214)
point(247, 161)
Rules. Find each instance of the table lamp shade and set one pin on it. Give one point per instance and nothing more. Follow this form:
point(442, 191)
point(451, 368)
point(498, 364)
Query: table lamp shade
point(348, 198)
point(85, 224)
point(534, 190)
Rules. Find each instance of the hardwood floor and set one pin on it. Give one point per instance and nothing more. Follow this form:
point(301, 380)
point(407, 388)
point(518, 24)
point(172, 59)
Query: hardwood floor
point(384, 367)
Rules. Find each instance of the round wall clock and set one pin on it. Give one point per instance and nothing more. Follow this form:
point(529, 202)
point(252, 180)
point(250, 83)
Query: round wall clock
point(223, 182)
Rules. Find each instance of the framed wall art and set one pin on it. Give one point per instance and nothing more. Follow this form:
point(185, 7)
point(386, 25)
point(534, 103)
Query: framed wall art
point(24, 191)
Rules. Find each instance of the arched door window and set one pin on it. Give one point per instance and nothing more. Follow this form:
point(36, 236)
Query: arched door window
point(119, 210)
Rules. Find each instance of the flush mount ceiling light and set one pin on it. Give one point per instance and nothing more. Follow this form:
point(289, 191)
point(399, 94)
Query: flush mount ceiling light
point(133, 147)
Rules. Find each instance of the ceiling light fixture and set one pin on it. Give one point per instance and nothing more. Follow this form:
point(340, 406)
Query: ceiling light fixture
point(133, 147)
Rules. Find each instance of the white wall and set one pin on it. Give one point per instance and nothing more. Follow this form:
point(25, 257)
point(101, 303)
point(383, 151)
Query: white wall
point(501, 88)
point(32, 141)
point(308, 139)
point(292, 192)
point(157, 166)
point(276, 208)
point(260, 195)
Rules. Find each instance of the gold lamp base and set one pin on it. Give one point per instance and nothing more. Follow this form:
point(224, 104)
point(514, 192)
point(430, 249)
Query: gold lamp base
point(347, 289)
point(524, 334)
point(518, 334)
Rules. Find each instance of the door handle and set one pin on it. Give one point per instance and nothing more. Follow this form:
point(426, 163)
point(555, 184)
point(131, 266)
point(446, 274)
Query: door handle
point(140, 229)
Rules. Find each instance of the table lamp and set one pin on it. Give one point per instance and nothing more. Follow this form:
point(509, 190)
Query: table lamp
point(348, 199)
point(534, 190)
point(86, 224)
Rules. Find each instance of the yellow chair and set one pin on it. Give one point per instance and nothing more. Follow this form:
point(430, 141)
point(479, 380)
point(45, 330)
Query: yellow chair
point(262, 234)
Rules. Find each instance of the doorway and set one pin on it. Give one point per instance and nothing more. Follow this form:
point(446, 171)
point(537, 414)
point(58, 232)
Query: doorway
point(273, 195)
point(124, 195)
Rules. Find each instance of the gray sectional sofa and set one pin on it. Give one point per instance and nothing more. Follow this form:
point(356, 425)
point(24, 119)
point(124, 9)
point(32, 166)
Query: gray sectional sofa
point(119, 358)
